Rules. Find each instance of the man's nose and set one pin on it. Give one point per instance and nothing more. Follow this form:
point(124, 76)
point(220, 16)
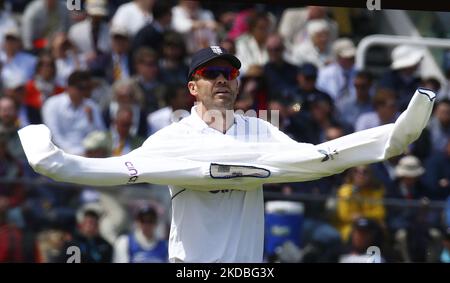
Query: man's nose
point(221, 78)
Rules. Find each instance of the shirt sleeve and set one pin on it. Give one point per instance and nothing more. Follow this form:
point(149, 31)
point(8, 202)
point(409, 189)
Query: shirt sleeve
point(204, 162)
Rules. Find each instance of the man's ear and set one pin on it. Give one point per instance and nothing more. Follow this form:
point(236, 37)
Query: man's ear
point(192, 86)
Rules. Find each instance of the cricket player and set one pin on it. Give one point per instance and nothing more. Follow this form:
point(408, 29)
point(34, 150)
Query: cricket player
point(216, 161)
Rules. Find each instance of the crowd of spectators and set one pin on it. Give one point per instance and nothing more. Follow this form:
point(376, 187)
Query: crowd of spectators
point(106, 77)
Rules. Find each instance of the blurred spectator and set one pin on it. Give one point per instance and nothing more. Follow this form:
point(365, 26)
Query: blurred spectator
point(438, 173)
point(241, 19)
point(15, 62)
point(365, 233)
point(306, 90)
point(9, 125)
point(254, 89)
point(141, 245)
point(384, 103)
point(337, 79)
point(94, 249)
point(7, 22)
point(445, 254)
point(146, 83)
point(439, 126)
point(15, 88)
point(431, 83)
point(315, 49)
point(91, 36)
point(41, 20)
point(151, 35)
point(12, 192)
point(195, 23)
point(177, 98)
point(360, 196)
point(123, 97)
point(172, 63)
point(11, 241)
point(294, 22)
point(49, 245)
point(43, 85)
point(122, 140)
point(67, 58)
point(138, 10)
point(72, 115)
point(402, 77)
point(229, 45)
point(351, 107)
point(280, 75)
point(251, 47)
point(114, 65)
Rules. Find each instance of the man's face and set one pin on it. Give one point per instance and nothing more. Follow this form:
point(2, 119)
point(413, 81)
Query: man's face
point(443, 113)
point(320, 39)
point(120, 44)
point(215, 94)
point(8, 112)
point(362, 86)
point(148, 69)
point(89, 226)
point(80, 91)
point(275, 48)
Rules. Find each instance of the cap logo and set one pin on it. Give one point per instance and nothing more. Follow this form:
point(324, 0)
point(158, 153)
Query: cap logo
point(216, 49)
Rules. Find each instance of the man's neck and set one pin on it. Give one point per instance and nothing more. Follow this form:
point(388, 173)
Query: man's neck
point(218, 119)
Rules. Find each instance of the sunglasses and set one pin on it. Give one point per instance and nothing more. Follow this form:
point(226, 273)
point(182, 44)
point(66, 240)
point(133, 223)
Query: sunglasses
point(212, 72)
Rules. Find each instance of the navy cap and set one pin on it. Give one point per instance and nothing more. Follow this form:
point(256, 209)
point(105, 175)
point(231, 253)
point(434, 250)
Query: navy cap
point(308, 70)
point(205, 55)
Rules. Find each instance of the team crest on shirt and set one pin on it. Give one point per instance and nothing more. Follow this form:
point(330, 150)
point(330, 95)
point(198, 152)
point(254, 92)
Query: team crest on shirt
point(216, 49)
point(329, 155)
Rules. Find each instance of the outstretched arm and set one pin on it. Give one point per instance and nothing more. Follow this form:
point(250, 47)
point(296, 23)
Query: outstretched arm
point(208, 162)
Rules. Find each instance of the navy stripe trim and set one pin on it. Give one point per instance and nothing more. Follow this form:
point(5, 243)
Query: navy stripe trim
point(427, 93)
point(177, 194)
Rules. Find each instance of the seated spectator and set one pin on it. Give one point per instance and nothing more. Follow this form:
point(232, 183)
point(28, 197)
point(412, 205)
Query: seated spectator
point(122, 140)
point(91, 36)
point(141, 245)
point(15, 62)
point(71, 116)
point(306, 91)
point(445, 254)
point(402, 77)
point(146, 82)
point(151, 35)
point(67, 58)
point(280, 75)
point(365, 233)
point(197, 25)
point(9, 124)
point(172, 63)
point(178, 106)
point(294, 22)
point(251, 47)
point(43, 85)
point(124, 96)
point(437, 174)
point(115, 65)
point(12, 192)
point(316, 49)
point(41, 20)
point(360, 196)
point(11, 241)
point(94, 249)
point(439, 126)
point(138, 10)
point(14, 88)
point(337, 79)
point(254, 88)
point(384, 103)
point(352, 107)
point(7, 21)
